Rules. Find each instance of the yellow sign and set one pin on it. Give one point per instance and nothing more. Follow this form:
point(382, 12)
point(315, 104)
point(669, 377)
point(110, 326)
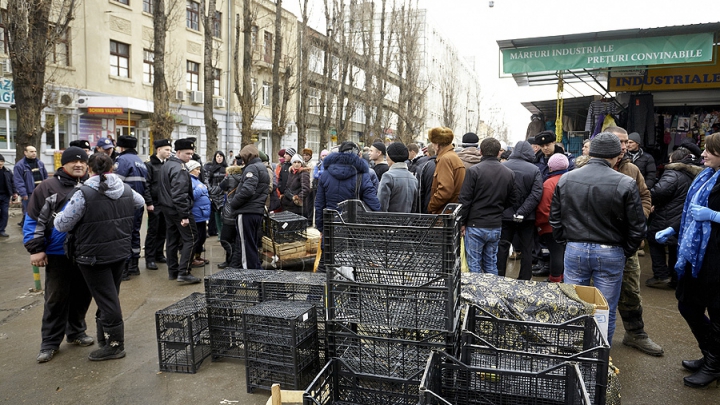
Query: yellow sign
point(680, 78)
point(333, 138)
point(124, 123)
point(105, 110)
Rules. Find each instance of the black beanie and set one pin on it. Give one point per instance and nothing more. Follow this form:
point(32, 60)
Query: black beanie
point(397, 152)
point(73, 154)
point(470, 137)
point(381, 147)
point(605, 145)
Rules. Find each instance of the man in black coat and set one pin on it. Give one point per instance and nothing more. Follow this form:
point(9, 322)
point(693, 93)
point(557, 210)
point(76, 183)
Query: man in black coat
point(155, 237)
point(644, 161)
point(7, 192)
point(175, 198)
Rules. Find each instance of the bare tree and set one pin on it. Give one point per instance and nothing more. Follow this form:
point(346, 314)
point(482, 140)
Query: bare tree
point(209, 53)
point(412, 91)
point(326, 104)
point(278, 128)
point(33, 28)
point(245, 95)
point(162, 120)
point(303, 74)
point(449, 94)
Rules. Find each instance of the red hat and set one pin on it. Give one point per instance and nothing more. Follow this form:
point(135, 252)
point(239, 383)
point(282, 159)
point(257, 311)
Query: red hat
point(281, 153)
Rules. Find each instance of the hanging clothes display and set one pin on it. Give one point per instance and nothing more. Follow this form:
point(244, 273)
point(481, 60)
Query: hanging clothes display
point(596, 115)
point(641, 118)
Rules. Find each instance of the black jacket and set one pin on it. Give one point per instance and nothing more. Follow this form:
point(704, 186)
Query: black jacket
point(597, 204)
point(175, 191)
point(282, 179)
point(646, 164)
point(488, 189)
point(668, 195)
point(541, 162)
point(152, 179)
point(298, 184)
point(9, 186)
point(252, 190)
point(528, 182)
point(424, 171)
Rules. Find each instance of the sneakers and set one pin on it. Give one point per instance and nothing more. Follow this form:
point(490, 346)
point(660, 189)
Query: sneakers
point(644, 344)
point(82, 340)
point(46, 355)
point(188, 279)
point(655, 282)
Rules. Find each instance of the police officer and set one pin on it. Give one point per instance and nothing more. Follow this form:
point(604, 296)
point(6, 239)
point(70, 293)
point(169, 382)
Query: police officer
point(155, 237)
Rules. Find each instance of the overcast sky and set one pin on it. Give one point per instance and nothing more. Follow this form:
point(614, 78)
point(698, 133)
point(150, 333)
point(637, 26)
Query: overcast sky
point(474, 28)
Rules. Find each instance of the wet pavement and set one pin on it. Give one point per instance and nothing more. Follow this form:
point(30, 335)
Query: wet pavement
point(71, 379)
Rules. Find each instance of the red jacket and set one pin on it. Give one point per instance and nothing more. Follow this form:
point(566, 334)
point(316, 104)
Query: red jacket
point(542, 212)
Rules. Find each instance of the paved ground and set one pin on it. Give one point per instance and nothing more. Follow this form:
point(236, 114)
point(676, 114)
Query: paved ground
point(71, 379)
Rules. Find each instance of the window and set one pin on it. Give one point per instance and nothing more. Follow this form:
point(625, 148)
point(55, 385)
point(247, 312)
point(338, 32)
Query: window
point(268, 47)
point(253, 36)
point(57, 130)
point(216, 82)
point(193, 76)
point(193, 15)
point(313, 101)
point(266, 94)
point(148, 6)
point(60, 51)
point(119, 59)
point(217, 25)
point(148, 66)
point(125, 2)
point(3, 32)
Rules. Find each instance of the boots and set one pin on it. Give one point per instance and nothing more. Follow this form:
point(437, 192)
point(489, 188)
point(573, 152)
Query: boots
point(115, 347)
point(635, 335)
point(708, 373)
point(100, 333)
point(125, 274)
point(694, 365)
point(133, 268)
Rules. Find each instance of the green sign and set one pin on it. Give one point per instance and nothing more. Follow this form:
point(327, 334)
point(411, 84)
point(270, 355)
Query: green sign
point(609, 53)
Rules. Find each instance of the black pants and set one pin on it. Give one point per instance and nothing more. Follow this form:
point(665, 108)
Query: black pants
point(706, 329)
point(663, 266)
point(155, 238)
point(557, 254)
point(227, 240)
point(212, 229)
point(104, 283)
point(180, 239)
point(525, 231)
point(67, 299)
point(135, 237)
point(201, 238)
point(247, 242)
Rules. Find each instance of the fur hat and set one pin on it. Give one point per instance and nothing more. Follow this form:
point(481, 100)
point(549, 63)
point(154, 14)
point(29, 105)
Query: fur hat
point(470, 137)
point(125, 141)
point(441, 136)
point(192, 165)
point(184, 143)
point(635, 137)
point(159, 143)
point(557, 162)
point(73, 154)
point(605, 145)
point(544, 138)
point(531, 140)
point(692, 147)
point(307, 151)
point(81, 143)
point(380, 146)
point(397, 152)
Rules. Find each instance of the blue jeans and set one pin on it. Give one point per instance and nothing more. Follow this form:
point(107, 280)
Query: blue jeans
point(602, 264)
point(481, 247)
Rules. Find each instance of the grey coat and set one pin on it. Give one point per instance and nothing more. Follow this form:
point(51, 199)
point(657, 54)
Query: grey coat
point(398, 189)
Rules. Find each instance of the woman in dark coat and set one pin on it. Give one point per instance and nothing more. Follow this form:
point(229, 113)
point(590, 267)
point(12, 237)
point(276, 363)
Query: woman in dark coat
point(698, 289)
point(213, 174)
point(297, 186)
point(668, 198)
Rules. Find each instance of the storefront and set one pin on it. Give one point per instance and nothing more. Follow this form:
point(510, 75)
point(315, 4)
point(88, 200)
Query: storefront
point(8, 119)
point(663, 83)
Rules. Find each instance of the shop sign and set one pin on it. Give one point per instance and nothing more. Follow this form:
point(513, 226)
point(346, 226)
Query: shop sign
point(7, 91)
point(124, 123)
point(681, 78)
point(105, 110)
point(664, 50)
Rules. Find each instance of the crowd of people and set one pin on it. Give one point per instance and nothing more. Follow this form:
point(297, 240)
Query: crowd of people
point(579, 220)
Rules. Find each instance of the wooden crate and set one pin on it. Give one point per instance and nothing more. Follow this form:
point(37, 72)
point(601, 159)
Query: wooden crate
point(284, 397)
point(313, 239)
point(285, 251)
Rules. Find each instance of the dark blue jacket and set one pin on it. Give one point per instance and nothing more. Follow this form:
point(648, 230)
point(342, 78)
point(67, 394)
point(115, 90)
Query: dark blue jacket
point(131, 170)
point(201, 206)
point(23, 177)
point(541, 162)
point(338, 183)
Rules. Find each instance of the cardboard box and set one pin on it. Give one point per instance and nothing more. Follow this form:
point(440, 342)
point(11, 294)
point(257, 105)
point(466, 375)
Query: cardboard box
point(602, 310)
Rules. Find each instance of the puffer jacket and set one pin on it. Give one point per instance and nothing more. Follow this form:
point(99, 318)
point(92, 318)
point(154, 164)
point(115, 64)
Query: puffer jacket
point(668, 195)
point(298, 184)
point(253, 188)
point(447, 180)
point(528, 182)
point(470, 156)
point(338, 183)
point(398, 190)
point(646, 163)
point(201, 200)
point(596, 204)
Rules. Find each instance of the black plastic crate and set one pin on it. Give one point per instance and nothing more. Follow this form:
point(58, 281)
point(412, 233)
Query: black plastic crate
point(299, 356)
point(370, 241)
point(510, 344)
point(262, 375)
point(396, 306)
point(295, 286)
point(227, 343)
point(338, 384)
point(235, 286)
point(448, 381)
point(182, 334)
point(284, 222)
point(392, 352)
point(280, 322)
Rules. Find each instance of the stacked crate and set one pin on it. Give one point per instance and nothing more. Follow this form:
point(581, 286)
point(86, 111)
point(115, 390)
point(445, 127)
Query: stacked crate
point(281, 344)
point(393, 297)
point(284, 234)
point(182, 334)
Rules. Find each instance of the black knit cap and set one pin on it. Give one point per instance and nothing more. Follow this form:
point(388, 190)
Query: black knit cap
point(605, 145)
point(159, 143)
point(73, 154)
point(397, 152)
point(470, 137)
point(349, 147)
point(184, 143)
point(381, 147)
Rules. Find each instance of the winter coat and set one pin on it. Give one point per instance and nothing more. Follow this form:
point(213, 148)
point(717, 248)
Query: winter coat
point(9, 185)
point(470, 156)
point(298, 184)
point(447, 180)
point(201, 200)
point(213, 175)
point(253, 187)
point(595, 205)
point(100, 223)
point(338, 183)
point(668, 195)
point(283, 171)
point(131, 170)
point(528, 182)
point(424, 173)
point(152, 179)
point(542, 213)
point(23, 177)
point(398, 190)
point(413, 164)
point(488, 190)
point(380, 169)
point(625, 167)
point(175, 191)
point(646, 163)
